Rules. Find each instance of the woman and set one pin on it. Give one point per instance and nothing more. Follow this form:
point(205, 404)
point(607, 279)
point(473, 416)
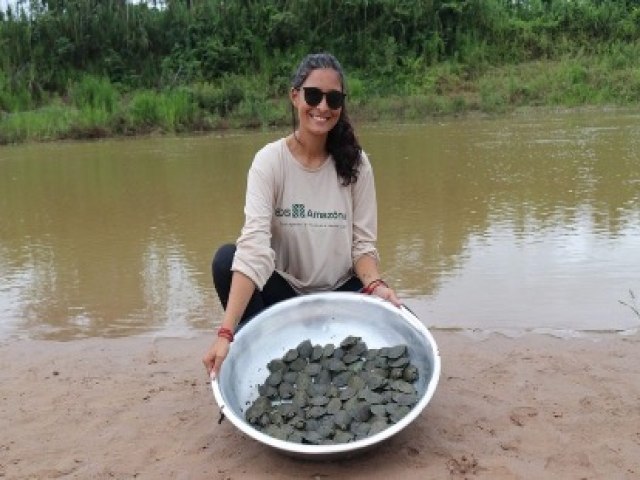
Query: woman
point(310, 212)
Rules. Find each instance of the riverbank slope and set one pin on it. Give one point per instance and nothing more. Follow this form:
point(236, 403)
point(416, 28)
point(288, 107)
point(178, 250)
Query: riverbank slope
point(95, 108)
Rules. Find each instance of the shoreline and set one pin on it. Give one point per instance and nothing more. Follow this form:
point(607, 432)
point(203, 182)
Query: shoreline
point(532, 406)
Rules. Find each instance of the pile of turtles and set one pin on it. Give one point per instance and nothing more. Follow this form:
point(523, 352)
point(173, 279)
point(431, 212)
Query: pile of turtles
point(324, 395)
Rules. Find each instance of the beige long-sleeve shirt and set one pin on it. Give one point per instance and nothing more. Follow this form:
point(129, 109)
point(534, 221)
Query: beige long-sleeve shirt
point(303, 223)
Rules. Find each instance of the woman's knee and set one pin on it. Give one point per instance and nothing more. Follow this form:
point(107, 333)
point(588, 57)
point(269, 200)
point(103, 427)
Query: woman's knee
point(223, 258)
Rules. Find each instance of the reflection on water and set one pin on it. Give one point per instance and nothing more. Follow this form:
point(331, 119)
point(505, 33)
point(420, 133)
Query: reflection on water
point(516, 223)
point(114, 238)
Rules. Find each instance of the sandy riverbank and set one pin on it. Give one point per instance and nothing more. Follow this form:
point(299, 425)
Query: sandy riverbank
point(532, 407)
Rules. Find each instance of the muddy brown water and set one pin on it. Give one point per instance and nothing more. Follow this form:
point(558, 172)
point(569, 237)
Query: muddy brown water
point(528, 222)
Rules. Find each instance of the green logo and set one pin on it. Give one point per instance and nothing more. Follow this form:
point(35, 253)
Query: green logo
point(297, 210)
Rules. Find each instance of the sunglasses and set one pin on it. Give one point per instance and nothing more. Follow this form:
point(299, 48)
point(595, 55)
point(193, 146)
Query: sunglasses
point(313, 97)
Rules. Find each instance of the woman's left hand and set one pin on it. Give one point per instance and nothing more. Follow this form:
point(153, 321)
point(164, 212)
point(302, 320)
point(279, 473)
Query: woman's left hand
point(386, 293)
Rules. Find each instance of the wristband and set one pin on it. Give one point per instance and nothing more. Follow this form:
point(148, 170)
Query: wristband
point(371, 286)
point(226, 333)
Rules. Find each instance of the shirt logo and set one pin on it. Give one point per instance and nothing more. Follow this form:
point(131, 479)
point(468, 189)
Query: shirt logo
point(298, 210)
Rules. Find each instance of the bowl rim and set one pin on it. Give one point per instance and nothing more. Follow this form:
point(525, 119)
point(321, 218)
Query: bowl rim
point(320, 450)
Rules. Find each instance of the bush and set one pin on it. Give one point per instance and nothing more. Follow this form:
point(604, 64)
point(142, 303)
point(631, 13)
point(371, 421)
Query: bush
point(13, 99)
point(96, 93)
point(144, 109)
point(173, 110)
point(177, 110)
point(221, 98)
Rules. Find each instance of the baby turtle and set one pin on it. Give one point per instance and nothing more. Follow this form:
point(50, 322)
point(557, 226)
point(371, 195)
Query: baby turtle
point(316, 353)
point(349, 341)
point(277, 364)
point(304, 349)
point(275, 378)
point(259, 407)
point(291, 355)
point(396, 352)
point(410, 373)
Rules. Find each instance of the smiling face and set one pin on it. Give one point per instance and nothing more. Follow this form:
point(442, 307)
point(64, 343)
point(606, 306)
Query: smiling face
point(318, 120)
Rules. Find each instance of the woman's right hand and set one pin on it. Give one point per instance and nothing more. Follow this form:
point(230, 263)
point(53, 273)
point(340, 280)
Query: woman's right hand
point(214, 357)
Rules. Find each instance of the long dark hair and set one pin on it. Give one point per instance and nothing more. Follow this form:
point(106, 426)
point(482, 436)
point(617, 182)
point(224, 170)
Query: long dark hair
point(342, 143)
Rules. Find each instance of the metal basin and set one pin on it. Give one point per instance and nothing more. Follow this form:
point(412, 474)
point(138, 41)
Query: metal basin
point(323, 318)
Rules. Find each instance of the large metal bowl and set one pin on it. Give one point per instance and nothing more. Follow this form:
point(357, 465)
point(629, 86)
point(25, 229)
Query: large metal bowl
point(323, 318)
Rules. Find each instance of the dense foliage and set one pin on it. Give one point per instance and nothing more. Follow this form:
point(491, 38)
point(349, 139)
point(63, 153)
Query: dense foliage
point(235, 54)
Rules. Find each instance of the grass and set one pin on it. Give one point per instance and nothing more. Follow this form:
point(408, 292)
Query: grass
point(47, 123)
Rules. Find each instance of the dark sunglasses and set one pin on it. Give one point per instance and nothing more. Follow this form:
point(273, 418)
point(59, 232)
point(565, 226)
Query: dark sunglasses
point(313, 97)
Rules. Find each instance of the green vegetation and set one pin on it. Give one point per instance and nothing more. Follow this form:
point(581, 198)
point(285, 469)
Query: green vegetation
point(87, 68)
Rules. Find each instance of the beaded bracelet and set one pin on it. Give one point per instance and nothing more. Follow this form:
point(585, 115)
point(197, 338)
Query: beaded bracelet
point(225, 333)
point(371, 286)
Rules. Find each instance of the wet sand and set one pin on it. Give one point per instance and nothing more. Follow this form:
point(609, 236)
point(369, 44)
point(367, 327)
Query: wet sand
point(533, 407)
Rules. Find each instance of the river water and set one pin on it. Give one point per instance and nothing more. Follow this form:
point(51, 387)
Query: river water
point(522, 223)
